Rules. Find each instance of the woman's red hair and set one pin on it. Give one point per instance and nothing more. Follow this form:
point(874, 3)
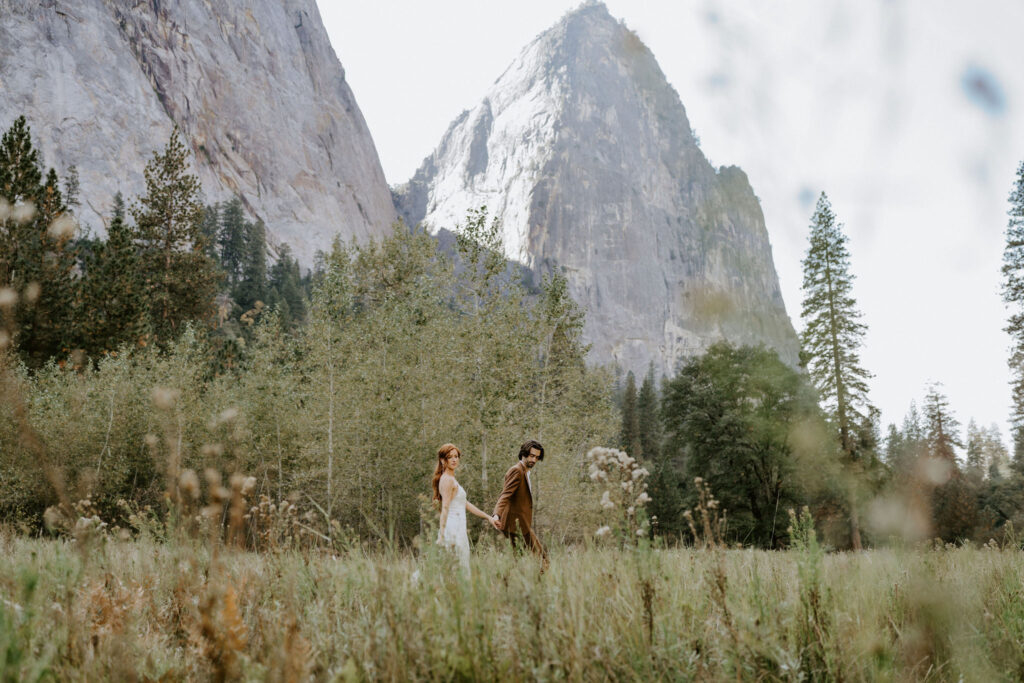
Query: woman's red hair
point(443, 453)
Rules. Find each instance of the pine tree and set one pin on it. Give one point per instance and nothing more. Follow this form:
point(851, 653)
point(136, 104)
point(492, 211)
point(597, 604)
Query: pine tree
point(252, 286)
point(893, 446)
point(285, 288)
point(995, 454)
point(941, 427)
point(72, 187)
point(1013, 297)
point(954, 509)
point(629, 435)
point(38, 253)
point(20, 184)
point(649, 418)
point(975, 452)
point(231, 240)
point(833, 333)
point(211, 230)
point(665, 487)
point(20, 174)
point(114, 310)
point(181, 277)
point(666, 492)
point(832, 336)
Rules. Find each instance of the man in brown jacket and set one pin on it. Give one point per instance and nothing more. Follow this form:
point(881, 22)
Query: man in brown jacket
point(514, 508)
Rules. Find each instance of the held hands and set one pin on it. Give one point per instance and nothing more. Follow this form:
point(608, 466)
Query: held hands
point(494, 522)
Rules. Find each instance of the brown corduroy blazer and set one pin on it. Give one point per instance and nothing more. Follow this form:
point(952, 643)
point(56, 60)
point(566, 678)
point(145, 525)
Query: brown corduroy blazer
point(515, 504)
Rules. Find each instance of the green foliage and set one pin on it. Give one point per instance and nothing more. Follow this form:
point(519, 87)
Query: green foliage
point(20, 172)
point(1013, 297)
point(749, 426)
point(814, 620)
point(833, 333)
point(182, 610)
point(494, 345)
point(284, 289)
point(210, 230)
point(37, 252)
point(941, 428)
point(113, 297)
point(666, 506)
point(955, 511)
point(180, 276)
point(629, 434)
point(557, 330)
point(938, 496)
point(830, 350)
point(342, 415)
point(985, 453)
point(252, 284)
point(231, 240)
point(648, 418)
point(954, 501)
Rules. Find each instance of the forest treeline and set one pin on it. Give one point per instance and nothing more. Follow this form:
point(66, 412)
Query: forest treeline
point(335, 400)
point(181, 344)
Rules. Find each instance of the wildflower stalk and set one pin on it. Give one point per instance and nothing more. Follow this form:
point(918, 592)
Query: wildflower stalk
point(624, 494)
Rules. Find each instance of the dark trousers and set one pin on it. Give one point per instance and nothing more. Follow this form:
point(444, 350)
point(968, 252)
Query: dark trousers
point(522, 539)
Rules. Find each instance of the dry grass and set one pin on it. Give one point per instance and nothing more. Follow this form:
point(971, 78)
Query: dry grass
point(139, 609)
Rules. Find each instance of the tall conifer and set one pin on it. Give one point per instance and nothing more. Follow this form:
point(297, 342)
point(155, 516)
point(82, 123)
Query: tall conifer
point(181, 276)
point(231, 240)
point(38, 254)
point(648, 413)
point(629, 435)
point(942, 429)
point(1013, 296)
point(285, 288)
point(252, 286)
point(832, 337)
point(115, 308)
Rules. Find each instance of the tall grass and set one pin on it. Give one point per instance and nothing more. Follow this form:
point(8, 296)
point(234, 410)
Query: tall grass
point(189, 609)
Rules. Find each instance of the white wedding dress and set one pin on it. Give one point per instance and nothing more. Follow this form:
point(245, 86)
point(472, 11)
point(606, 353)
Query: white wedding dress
point(454, 535)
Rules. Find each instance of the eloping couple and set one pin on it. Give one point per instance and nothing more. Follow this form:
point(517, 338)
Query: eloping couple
point(513, 513)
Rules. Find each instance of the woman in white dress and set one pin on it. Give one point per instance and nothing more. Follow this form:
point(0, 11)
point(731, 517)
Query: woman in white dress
point(452, 531)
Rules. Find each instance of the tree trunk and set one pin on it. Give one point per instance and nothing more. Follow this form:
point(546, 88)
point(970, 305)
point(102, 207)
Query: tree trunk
point(854, 521)
point(483, 461)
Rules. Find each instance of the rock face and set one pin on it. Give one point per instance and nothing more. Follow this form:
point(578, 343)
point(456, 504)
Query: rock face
point(584, 152)
point(254, 86)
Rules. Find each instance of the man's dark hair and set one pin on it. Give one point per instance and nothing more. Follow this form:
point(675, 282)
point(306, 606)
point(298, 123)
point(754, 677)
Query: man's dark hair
point(524, 450)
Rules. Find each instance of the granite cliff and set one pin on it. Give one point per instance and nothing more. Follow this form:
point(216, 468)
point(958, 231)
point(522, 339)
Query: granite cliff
point(584, 152)
point(254, 85)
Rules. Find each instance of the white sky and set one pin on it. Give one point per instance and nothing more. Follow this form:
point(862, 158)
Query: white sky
point(908, 113)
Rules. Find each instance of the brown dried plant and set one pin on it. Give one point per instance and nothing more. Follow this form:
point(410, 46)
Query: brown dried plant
point(708, 529)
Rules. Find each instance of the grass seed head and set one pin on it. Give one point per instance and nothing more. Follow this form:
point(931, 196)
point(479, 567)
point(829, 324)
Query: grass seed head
point(8, 297)
point(188, 482)
point(32, 292)
point(23, 212)
point(164, 399)
point(62, 228)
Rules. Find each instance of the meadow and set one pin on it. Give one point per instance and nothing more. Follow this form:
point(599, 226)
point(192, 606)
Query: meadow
point(98, 605)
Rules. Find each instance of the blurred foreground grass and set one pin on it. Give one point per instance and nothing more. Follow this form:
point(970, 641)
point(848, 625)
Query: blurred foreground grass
point(104, 609)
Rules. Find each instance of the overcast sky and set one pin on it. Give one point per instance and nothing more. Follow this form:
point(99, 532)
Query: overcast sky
point(907, 113)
